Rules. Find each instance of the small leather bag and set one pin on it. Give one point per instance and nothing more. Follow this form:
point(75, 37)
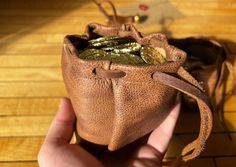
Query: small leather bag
point(214, 68)
point(116, 104)
point(215, 59)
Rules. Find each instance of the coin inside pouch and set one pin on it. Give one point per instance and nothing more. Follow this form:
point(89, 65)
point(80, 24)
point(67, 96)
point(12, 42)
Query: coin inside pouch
point(123, 50)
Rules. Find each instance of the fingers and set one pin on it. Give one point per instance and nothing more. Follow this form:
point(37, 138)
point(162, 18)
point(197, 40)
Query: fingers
point(160, 137)
point(146, 156)
point(62, 127)
point(153, 152)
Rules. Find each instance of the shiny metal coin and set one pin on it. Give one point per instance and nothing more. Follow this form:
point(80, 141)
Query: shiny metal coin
point(130, 47)
point(152, 55)
point(109, 41)
point(92, 54)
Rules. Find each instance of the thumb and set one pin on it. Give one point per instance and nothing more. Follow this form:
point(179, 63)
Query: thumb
point(62, 126)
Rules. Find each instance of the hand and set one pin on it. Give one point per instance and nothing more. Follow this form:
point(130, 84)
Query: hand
point(57, 150)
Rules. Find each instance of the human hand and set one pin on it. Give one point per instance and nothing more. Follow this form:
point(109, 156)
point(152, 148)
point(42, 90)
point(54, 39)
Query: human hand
point(57, 150)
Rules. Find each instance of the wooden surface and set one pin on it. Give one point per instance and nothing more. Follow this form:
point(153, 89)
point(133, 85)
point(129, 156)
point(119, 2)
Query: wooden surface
point(31, 35)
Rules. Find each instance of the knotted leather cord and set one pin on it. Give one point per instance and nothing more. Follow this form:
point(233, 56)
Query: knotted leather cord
point(205, 112)
point(188, 77)
point(109, 73)
point(193, 149)
point(100, 7)
point(113, 19)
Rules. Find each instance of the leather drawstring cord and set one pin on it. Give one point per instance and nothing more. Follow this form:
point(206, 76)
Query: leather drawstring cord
point(114, 19)
point(109, 73)
point(193, 149)
point(99, 5)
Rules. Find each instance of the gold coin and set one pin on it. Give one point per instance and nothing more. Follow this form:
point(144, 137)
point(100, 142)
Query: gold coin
point(109, 41)
point(152, 55)
point(124, 58)
point(92, 54)
point(124, 48)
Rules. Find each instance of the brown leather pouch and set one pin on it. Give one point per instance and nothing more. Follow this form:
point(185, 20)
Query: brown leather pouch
point(213, 66)
point(215, 59)
point(116, 104)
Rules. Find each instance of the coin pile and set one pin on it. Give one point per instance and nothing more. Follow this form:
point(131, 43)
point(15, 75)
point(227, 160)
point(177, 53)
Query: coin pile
point(123, 50)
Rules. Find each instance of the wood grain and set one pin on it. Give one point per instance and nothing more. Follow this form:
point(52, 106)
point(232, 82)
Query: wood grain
point(19, 148)
point(37, 125)
point(32, 74)
point(26, 148)
point(209, 162)
point(48, 106)
point(34, 38)
point(31, 36)
point(29, 61)
point(72, 4)
point(71, 29)
point(200, 162)
point(28, 106)
point(204, 10)
point(217, 145)
point(19, 164)
point(54, 49)
point(230, 104)
point(73, 20)
point(39, 74)
point(24, 125)
point(32, 89)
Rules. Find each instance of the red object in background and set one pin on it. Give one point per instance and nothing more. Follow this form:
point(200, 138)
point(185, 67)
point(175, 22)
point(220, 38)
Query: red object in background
point(143, 7)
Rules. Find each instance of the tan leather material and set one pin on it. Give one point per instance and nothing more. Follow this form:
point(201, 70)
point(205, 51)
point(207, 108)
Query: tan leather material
point(217, 67)
point(204, 107)
point(216, 58)
point(116, 104)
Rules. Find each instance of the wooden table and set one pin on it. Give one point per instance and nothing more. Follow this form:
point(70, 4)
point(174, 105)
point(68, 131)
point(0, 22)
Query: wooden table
point(31, 86)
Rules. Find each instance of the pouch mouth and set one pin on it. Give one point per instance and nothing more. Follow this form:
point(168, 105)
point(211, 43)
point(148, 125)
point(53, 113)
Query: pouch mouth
point(175, 56)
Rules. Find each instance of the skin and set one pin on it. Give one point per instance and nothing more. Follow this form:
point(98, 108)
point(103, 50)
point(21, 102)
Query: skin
point(57, 150)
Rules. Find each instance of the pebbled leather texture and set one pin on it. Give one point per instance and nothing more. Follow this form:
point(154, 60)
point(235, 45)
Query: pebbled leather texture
point(116, 104)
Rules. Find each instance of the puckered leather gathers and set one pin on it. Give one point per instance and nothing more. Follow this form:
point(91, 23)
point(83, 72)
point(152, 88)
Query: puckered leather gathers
point(116, 104)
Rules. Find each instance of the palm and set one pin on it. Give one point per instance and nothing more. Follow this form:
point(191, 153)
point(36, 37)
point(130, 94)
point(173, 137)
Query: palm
point(56, 150)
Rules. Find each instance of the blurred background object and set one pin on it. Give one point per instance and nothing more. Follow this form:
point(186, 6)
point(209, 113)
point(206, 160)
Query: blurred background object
point(31, 35)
